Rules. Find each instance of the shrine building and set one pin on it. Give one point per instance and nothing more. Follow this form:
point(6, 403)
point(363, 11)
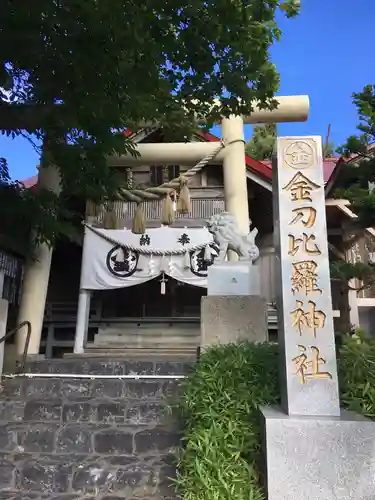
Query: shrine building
point(142, 292)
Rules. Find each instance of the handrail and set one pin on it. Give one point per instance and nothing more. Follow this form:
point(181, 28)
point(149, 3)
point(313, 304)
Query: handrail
point(199, 352)
point(21, 365)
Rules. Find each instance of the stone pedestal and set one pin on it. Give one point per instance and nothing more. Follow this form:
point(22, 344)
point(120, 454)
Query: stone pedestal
point(310, 458)
point(227, 319)
point(233, 278)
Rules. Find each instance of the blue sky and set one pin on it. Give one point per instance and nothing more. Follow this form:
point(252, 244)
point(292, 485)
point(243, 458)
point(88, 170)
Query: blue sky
point(324, 53)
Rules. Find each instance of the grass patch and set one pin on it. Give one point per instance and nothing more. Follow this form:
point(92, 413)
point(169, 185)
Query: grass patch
point(219, 409)
point(356, 364)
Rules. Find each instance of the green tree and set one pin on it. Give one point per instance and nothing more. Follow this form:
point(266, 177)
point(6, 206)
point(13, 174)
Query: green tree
point(328, 149)
point(359, 151)
point(346, 274)
point(85, 70)
point(262, 143)
point(356, 177)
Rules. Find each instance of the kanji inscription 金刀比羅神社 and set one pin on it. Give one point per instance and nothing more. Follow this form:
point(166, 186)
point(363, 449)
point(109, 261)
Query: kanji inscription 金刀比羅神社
point(306, 322)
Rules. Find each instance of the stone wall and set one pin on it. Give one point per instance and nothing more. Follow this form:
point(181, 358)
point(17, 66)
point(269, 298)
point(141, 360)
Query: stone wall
point(71, 438)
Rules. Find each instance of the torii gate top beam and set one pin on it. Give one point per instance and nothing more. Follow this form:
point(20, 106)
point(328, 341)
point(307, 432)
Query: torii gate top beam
point(31, 116)
point(290, 109)
point(293, 108)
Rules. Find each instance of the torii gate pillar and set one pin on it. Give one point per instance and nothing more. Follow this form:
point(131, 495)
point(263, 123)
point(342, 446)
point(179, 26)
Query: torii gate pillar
point(293, 108)
point(234, 171)
point(36, 277)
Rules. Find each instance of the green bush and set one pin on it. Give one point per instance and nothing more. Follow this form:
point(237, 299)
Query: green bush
point(357, 374)
point(219, 407)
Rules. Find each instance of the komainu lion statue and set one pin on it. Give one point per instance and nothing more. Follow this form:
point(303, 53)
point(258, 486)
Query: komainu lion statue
point(227, 236)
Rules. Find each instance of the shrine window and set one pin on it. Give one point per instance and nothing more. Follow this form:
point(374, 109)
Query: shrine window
point(173, 172)
point(156, 175)
point(121, 173)
point(215, 176)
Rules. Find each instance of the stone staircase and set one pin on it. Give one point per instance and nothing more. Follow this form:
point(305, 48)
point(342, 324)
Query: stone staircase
point(158, 340)
point(77, 429)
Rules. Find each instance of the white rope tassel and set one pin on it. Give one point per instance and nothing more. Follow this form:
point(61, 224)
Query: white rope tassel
point(207, 253)
point(162, 285)
point(151, 266)
point(187, 259)
point(170, 266)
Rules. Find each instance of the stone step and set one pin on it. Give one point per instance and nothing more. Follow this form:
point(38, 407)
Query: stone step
point(147, 342)
point(76, 476)
point(121, 343)
point(150, 331)
point(87, 438)
point(143, 352)
point(115, 362)
point(27, 495)
point(93, 411)
point(183, 355)
point(83, 390)
point(156, 347)
point(150, 354)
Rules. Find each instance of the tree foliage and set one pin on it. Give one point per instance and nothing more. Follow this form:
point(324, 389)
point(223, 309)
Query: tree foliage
point(84, 70)
point(262, 143)
point(346, 271)
point(356, 177)
point(25, 212)
point(328, 149)
point(359, 151)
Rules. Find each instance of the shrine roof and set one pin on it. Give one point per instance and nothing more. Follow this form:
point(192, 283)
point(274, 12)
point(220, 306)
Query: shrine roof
point(329, 165)
point(30, 181)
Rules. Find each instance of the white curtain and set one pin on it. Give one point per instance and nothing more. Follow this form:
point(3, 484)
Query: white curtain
point(118, 258)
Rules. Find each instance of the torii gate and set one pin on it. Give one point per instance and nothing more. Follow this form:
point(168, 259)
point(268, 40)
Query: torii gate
point(232, 157)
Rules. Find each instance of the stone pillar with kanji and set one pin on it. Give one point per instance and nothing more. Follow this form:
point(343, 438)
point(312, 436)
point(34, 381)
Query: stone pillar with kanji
point(313, 449)
point(304, 298)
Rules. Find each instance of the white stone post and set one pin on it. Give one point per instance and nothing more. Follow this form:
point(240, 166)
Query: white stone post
point(351, 256)
point(84, 300)
point(354, 309)
point(2, 276)
point(36, 277)
point(82, 321)
point(234, 171)
point(306, 333)
point(314, 449)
